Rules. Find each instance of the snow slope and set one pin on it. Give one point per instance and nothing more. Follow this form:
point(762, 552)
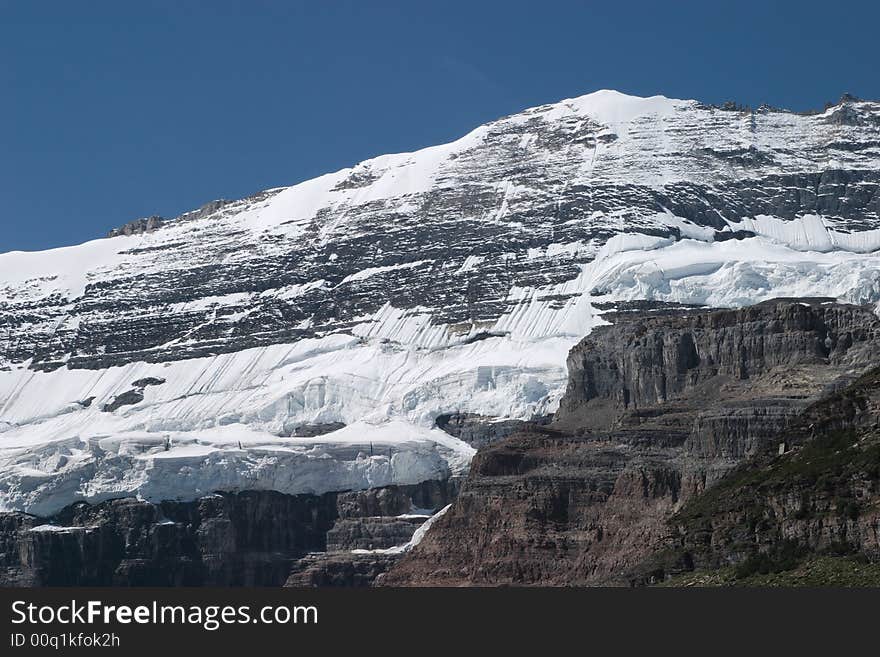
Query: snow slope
point(453, 279)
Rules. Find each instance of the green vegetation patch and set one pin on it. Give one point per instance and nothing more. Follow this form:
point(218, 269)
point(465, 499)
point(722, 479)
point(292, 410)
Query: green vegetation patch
point(821, 571)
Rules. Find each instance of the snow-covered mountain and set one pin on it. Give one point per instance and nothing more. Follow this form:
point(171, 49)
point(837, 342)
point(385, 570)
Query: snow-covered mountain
point(307, 338)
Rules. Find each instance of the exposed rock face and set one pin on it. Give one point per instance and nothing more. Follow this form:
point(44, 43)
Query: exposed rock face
point(248, 539)
point(125, 399)
point(658, 408)
point(822, 496)
point(252, 538)
point(154, 222)
point(479, 431)
point(148, 381)
point(653, 360)
point(376, 533)
point(397, 500)
point(339, 569)
point(730, 379)
point(542, 508)
point(369, 523)
point(133, 396)
point(739, 429)
point(138, 226)
point(317, 429)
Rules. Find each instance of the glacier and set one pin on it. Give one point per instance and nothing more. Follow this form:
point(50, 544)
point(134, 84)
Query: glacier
point(177, 362)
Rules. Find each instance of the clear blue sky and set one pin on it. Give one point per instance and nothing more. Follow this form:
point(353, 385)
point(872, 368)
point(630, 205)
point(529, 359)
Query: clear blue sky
point(120, 109)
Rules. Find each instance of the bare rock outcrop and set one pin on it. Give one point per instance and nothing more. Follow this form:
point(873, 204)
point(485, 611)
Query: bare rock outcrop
point(251, 538)
point(819, 497)
point(138, 226)
point(659, 408)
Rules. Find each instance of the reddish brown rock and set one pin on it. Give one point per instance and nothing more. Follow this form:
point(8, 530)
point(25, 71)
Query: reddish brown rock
point(659, 408)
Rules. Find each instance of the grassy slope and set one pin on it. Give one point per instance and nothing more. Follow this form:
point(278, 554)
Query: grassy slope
point(819, 571)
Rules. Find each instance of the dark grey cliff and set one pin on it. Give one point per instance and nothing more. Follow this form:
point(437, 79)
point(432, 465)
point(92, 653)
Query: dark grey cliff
point(252, 538)
point(479, 431)
point(648, 360)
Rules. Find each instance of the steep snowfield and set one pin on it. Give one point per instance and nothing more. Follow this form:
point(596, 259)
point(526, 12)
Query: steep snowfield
point(352, 298)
